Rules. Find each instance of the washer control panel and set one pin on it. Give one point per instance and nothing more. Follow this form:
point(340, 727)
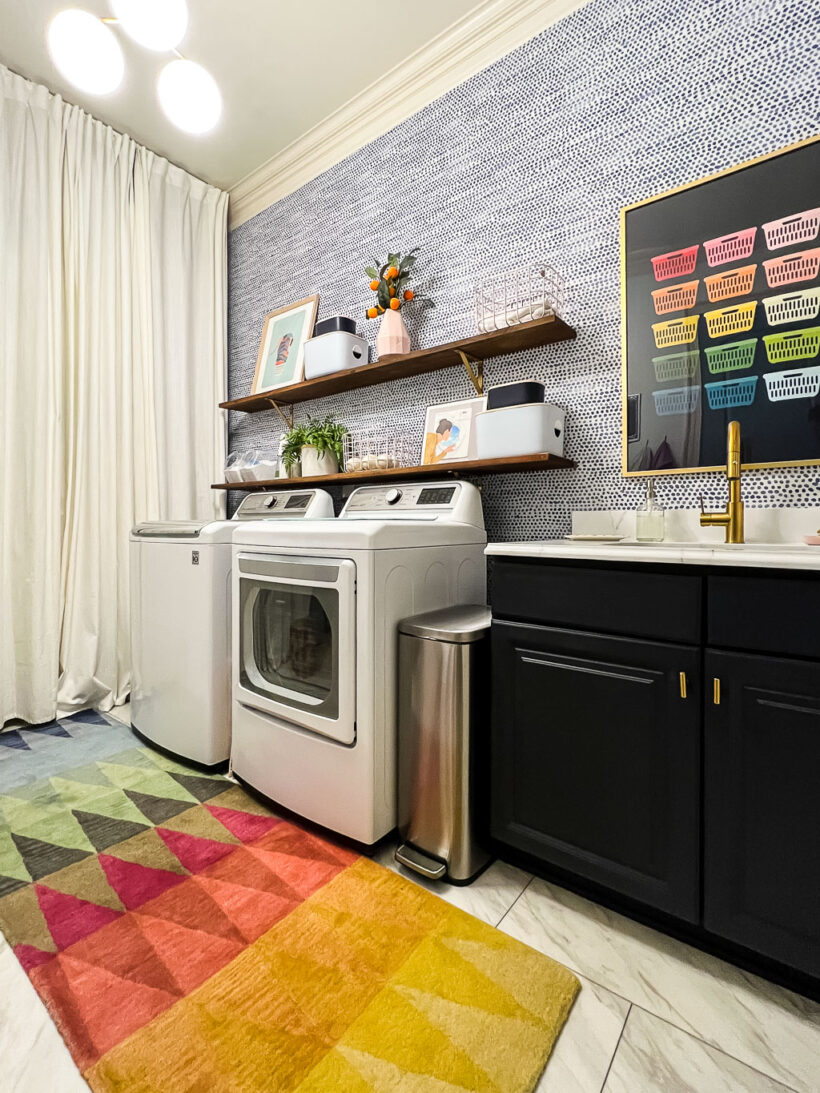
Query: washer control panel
point(404, 499)
point(285, 504)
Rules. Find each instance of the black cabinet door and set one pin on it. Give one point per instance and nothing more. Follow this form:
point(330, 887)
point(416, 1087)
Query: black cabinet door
point(762, 806)
point(596, 759)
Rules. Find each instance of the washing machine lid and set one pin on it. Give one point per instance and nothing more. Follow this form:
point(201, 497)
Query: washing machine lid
point(205, 531)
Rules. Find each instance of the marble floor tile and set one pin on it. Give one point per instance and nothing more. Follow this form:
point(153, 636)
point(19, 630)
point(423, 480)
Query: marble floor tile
point(488, 898)
point(33, 1057)
point(654, 1055)
point(582, 1056)
point(768, 1028)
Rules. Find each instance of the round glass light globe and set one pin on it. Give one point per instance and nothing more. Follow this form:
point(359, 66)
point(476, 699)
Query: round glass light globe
point(156, 24)
point(85, 51)
point(189, 96)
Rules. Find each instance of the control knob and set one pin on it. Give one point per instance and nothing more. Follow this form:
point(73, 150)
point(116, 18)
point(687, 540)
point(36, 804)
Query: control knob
point(392, 497)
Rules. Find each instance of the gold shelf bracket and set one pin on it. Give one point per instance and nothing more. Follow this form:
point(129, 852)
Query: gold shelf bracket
point(474, 369)
point(286, 417)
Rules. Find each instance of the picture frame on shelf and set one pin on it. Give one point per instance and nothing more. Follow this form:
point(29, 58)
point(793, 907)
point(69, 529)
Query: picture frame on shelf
point(281, 358)
point(449, 431)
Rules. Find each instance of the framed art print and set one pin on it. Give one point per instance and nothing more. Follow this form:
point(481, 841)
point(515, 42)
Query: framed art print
point(721, 318)
point(449, 431)
point(280, 361)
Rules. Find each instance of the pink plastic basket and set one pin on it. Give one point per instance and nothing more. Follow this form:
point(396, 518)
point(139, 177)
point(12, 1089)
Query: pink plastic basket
point(792, 268)
point(734, 282)
point(801, 228)
point(730, 248)
point(675, 298)
point(677, 263)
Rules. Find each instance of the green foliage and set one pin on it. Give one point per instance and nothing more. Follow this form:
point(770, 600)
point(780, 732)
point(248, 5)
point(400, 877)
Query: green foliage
point(404, 264)
point(323, 434)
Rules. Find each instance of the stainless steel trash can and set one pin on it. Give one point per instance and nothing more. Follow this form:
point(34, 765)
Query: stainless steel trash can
point(443, 748)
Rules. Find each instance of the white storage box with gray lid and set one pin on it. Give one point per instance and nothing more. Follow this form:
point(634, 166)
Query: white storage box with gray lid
point(334, 352)
point(520, 430)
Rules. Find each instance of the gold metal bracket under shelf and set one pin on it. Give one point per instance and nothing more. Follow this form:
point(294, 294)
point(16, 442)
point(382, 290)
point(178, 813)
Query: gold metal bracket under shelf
point(286, 417)
point(474, 369)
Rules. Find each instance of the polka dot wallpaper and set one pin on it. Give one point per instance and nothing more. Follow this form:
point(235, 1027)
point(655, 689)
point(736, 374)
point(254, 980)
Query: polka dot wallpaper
point(532, 159)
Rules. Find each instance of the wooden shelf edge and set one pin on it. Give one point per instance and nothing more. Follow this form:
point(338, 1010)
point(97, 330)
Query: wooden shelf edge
point(511, 339)
point(541, 461)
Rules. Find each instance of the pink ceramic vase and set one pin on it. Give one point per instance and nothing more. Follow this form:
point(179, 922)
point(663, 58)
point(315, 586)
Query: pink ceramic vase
point(393, 337)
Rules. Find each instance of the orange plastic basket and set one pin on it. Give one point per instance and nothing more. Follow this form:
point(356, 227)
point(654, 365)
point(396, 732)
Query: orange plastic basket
point(730, 248)
point(676, 263)
point(676, 332)
point(731, 320)
point(734, 282)
point(675, 298)
point(792, 268)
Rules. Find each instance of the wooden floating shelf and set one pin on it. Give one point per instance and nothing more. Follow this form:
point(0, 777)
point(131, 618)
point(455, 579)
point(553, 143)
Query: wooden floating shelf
point(511, 339)
point(542, 461)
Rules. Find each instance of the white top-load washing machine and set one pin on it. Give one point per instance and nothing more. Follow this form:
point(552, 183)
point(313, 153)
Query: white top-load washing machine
point(315, 642)
point(181, 623)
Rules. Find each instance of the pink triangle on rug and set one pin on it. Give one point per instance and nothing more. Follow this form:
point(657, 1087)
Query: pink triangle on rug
point(136, 884)
point(244, 825)
point(32, 957)
point(69, 918)
point(193, 851)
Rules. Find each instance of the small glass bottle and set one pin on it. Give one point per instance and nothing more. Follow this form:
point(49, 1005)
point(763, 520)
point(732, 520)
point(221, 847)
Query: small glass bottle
point(649, 518)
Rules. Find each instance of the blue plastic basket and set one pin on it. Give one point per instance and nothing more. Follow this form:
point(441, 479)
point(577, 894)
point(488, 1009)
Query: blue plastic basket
point(731, 393)
point(676, 400)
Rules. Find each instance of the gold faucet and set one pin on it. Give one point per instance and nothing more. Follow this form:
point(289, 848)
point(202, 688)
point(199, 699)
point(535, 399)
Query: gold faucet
point(732, 517)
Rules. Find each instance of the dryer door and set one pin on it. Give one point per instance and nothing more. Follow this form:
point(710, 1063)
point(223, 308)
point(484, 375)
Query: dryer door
point(297, 640)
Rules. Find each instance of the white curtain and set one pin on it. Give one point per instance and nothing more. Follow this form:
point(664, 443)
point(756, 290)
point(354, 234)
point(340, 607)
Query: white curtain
point(112, 362)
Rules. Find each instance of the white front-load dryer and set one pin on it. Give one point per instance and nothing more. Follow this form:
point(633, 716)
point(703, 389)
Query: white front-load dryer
point(181, 623)
point(316, 610)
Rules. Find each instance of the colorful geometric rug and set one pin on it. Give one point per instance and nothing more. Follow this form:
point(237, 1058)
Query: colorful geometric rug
point(184, 938)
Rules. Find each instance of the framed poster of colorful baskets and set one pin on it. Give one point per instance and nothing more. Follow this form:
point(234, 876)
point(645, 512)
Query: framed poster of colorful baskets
point(720, 287)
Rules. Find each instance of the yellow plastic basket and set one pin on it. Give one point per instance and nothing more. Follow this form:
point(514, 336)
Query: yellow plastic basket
point(676, 332)
point(731, 320)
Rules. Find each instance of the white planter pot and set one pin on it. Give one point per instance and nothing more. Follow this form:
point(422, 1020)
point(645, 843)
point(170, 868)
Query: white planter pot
point(317, 463)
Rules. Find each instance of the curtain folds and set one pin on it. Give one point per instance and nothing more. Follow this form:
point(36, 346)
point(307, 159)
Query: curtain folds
point(112, 361)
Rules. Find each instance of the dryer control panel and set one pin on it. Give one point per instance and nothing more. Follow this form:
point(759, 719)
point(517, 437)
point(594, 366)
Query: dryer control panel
point(453, 502)
point(284, 504)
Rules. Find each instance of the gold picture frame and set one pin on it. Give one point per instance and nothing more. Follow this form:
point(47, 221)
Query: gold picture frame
point(280, 361)
point(625, 389)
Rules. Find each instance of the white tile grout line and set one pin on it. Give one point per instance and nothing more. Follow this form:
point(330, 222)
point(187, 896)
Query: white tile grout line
point(617, 1048)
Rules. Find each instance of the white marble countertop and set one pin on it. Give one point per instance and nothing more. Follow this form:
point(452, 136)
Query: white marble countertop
point(774, 541)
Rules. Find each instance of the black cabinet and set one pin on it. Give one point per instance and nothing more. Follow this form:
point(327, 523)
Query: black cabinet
point(596, 759)
point(762, 805)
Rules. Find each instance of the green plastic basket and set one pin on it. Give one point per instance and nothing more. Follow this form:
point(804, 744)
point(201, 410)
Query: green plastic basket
point(677, 366)
point(731, 356)
point(796, 345)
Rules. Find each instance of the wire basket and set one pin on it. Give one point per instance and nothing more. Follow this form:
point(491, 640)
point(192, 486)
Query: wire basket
point(376, 450)
point(793, 307)
point(801, 383)
point(676, 400)
point(728, 393)
point(677, 263)
point(792, 268)
point(676, 332)
point(676, 366)
point(731, 356)
point(797, 345)
point(801, 228)
point(734, 282)
point(518, 296)
point(730, 248)
point(731, 320)
point(675, 298)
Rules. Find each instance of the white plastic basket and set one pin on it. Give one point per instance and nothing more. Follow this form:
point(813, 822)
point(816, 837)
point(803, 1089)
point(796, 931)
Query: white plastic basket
point(676, 400)
point(518, 296)
point(792, 307)
point(800, 228)
point(376, 450)
point(797, 383)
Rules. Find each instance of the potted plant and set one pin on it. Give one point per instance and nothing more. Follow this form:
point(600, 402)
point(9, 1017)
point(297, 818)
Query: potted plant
point(389, 282)
point(316, 445)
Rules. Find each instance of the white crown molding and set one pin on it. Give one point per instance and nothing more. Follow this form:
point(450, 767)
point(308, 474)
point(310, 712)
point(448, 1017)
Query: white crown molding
point(487, 33)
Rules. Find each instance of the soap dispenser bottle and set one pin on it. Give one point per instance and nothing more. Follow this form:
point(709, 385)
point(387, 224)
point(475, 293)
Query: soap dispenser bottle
point(649, 519)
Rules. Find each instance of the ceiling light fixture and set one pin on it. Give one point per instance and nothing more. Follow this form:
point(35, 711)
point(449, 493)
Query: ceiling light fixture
point(156, 24)
point(85, 52)
point(189, 96)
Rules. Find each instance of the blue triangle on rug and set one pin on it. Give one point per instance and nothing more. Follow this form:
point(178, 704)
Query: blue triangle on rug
point(13, 739)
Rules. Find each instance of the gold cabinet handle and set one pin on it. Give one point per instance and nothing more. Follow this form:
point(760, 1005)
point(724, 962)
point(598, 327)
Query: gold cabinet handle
point(716, 691)
point(683, 684)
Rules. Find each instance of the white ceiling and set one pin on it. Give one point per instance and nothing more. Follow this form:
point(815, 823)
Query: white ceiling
point(281, 66)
